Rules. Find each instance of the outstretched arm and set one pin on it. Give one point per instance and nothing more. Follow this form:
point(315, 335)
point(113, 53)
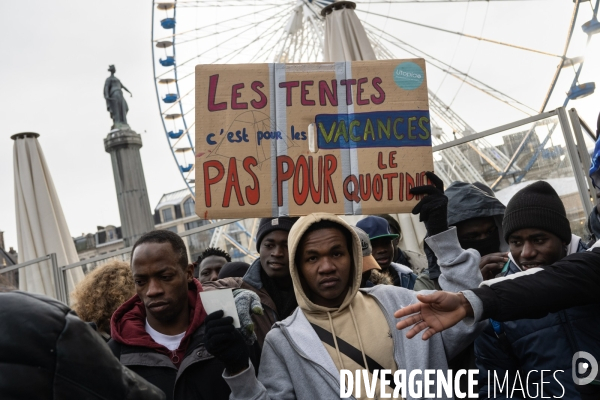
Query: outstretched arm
point(570, 282)
point(435, 313)
point(127, 90)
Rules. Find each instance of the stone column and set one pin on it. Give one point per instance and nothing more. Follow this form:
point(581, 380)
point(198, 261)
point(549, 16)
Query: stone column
point(134, 207)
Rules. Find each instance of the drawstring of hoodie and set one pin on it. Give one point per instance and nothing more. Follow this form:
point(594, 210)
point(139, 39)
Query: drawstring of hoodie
point(362, 350)
point(335, 340)
point(337, 350)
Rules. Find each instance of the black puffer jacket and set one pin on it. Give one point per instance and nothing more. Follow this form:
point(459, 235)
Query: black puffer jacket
point(47, 352)
point(199, 376)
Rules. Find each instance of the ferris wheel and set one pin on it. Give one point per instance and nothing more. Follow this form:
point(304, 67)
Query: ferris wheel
point(190, 32)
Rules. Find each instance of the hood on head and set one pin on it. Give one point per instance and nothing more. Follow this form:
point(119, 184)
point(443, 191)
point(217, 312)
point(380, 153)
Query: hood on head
point(466, 201)
point(296, 234)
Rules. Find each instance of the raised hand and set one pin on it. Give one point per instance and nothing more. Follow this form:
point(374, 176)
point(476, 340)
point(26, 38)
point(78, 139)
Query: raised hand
point(433, 208)
point(435, 312)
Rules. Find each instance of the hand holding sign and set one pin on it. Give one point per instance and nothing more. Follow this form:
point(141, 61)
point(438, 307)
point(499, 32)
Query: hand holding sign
point(433, 208)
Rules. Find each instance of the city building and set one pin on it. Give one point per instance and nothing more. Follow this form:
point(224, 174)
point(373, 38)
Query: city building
point(7, 259)
point(175, 211)
point(107, 239)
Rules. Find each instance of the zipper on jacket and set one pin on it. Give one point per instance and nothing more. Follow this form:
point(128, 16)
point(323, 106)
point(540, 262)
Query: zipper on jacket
point(301, 354)
point(564, 319)
point(174, 357)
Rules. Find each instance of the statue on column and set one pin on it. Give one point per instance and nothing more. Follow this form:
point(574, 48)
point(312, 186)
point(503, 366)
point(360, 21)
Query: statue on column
point(115, 102)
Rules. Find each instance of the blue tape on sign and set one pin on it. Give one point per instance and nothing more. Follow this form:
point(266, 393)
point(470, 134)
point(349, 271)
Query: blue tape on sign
point(373, 129)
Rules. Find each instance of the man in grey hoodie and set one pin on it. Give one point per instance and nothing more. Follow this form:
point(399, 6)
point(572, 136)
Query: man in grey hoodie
point(303, 354)
point(477, 216)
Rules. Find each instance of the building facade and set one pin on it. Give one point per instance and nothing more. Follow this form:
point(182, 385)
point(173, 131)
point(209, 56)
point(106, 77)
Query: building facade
point(175, 212)
point(8, 258)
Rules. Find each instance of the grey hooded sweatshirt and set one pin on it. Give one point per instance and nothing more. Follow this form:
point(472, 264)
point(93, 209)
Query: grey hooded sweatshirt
point(465, 201)
point(295, 363)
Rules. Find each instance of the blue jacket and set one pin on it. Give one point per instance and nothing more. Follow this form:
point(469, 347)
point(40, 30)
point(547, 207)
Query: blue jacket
point(548, 343)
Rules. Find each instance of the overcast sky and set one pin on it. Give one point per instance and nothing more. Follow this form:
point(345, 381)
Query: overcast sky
point(55, 60)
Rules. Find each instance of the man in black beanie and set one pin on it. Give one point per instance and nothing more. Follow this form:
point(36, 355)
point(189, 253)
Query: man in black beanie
point(268, 276)
point(538, 232)
point(271, 271)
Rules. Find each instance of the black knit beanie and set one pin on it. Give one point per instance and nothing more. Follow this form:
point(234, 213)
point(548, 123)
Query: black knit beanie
point(537, 206)
point(268, 225)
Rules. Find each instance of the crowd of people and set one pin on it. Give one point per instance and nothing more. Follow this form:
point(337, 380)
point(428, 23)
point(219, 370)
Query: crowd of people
point(321, 297)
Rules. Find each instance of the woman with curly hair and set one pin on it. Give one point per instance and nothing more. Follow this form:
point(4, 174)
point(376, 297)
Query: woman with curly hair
point(102, 291)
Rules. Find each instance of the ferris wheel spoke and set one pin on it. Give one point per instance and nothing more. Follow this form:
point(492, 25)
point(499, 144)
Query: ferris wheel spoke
point(460, 34)
point(449, 70)
point(299, 48)
point(238, 50)
point(217, 45)
point(293, 31)
point(261, 51)
point(436, 105)
point(188, 111)
point(228, 31)
point(439, 1)
point(265, 33)
point(219, 3)
point(467, 79)
point(221, 22)
point(318, 31)
point(315, 43)
point(314, 48)
point(453, 71)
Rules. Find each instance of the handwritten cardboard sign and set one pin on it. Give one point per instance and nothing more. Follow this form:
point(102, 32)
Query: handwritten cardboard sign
point(291, 139)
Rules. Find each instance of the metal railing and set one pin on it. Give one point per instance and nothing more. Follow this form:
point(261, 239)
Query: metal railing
point(572, 132)
point(56, 273)
point(574, 142)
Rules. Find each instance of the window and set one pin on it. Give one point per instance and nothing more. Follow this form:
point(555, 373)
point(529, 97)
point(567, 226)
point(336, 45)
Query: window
point(189, 207)
point(167, 215)
point(195, 224)
point(172, 229)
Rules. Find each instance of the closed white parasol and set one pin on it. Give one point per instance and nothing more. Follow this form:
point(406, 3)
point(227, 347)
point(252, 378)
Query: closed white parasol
point(345, 37)
point(346, 40)
point(41, 225)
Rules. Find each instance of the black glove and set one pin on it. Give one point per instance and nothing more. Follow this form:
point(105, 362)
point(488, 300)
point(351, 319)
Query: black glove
point(226, 343)
point(433, 208)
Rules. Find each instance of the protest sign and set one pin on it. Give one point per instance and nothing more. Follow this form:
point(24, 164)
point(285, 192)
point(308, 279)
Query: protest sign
point(291, 139)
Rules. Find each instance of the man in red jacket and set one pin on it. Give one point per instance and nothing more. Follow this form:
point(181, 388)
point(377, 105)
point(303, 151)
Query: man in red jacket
point(159, 333)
